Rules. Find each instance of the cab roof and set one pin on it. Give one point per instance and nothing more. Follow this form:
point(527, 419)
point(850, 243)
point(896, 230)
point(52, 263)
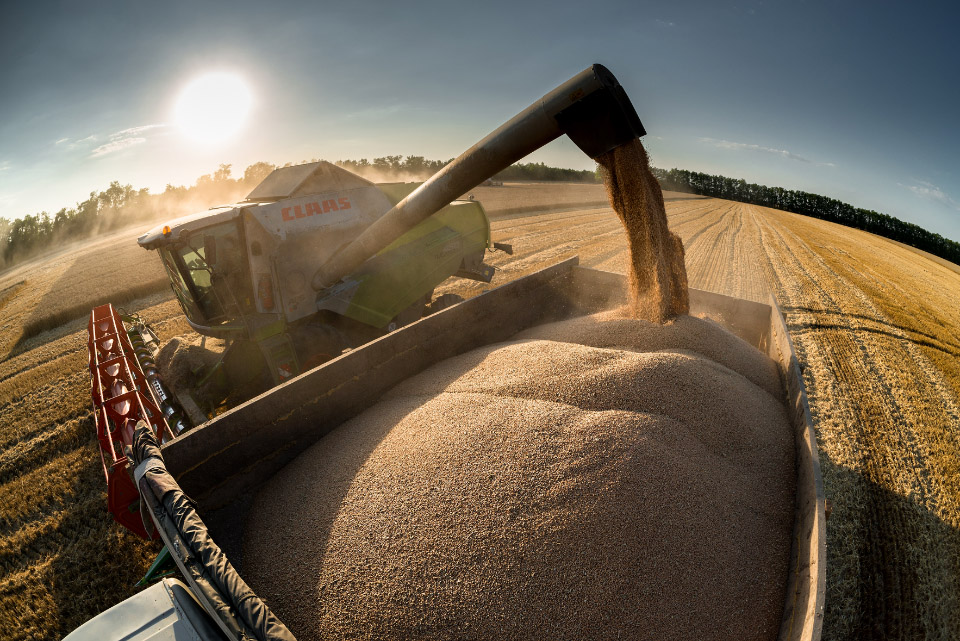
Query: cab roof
point(301, 180)
point(282, 183)
point(173, 230)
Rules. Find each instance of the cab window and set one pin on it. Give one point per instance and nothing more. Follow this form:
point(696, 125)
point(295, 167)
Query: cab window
point(210, 269)
point(179, 286)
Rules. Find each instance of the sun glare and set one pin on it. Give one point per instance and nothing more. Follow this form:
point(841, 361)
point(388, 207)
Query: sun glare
point(213, 108)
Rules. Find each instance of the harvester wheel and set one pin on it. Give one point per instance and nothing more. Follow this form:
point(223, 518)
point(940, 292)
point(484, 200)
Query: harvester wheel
point(443, 302)
point(411, 314)
point(321, 339)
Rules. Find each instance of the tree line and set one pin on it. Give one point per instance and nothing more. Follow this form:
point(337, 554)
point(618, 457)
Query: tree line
point(400, 168)
point(121, 205)
point(117, 206)
point(540, 172)
point(807, 204)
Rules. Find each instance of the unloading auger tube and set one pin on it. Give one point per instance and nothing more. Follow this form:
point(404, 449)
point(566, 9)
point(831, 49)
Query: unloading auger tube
point(591, 108)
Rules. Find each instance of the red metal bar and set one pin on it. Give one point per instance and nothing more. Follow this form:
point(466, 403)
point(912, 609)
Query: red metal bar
point(121, 396)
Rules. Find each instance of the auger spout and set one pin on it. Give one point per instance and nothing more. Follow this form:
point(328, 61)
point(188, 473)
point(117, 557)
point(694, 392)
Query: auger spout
point(592, 108)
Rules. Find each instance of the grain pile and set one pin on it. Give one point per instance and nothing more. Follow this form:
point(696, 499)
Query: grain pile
point(657, 275)
point(542, 488)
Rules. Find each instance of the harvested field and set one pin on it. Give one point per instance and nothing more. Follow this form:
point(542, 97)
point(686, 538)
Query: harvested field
point(543, 488)
point(63, 287)
point(521, 198)
point(875, 325)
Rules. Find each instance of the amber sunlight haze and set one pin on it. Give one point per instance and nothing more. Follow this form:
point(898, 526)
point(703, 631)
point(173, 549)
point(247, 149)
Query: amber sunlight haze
point(623, 319)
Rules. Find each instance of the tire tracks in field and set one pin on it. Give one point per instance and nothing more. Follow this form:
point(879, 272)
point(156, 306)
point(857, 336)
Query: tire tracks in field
point(933, 377)
point(720, 218)
point(677, 214)
point(537, 243)
point(55, 402)
point(594, 234)
point(911, 356)
point(881, 439)
point(922, 403)
point(46, 443)
point(832, 414)
point(710, 263)
point(534, 226)
point(599, 255)
point(751, 255)
point(891, 329)
point(549, 242)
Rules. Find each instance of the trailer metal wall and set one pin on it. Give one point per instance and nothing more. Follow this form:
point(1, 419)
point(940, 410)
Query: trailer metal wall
point(806, 589)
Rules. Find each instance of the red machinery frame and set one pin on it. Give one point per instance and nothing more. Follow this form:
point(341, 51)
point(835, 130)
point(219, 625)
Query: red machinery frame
point(121, 397)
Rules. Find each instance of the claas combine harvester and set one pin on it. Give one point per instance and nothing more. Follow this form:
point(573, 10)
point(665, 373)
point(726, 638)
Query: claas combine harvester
point(319, 283)
point(248, 274)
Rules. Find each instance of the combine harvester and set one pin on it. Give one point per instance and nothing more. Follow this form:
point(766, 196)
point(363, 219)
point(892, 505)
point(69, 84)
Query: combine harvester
point(317, 266)
point(242, 273)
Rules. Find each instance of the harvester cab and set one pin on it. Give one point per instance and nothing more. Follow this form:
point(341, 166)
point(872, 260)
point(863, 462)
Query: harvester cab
point(243, 272)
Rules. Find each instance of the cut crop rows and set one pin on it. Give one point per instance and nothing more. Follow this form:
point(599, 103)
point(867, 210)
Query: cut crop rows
point(876, 326)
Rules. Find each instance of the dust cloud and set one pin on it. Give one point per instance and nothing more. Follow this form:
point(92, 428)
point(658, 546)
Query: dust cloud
point(376, 175)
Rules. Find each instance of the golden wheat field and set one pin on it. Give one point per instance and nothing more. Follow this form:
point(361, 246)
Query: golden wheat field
point(875, 324)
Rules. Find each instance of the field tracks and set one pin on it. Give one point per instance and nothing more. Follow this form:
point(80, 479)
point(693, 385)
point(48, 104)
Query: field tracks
point(876, 327)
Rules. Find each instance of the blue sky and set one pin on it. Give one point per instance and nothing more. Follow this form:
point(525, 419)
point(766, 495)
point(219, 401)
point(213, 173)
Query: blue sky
point(855, 100)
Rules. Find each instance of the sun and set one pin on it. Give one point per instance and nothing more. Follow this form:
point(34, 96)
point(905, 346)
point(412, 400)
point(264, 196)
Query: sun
point(213, 108)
